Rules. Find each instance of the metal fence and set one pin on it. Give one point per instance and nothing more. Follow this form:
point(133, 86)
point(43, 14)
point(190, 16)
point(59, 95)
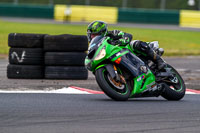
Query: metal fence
point(150, 4)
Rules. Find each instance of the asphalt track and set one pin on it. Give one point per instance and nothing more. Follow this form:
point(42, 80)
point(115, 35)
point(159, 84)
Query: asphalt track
point(96, 113)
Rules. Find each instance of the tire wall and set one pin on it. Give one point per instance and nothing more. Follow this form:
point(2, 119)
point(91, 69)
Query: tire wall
point(26, 57)
point(64, 56)
point(38, 56)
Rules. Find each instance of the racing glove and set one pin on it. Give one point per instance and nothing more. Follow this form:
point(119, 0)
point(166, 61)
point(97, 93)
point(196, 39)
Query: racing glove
point(115, 34)
point(118, 37)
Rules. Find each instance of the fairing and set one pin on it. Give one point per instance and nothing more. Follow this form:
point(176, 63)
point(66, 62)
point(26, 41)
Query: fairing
point(141, 75)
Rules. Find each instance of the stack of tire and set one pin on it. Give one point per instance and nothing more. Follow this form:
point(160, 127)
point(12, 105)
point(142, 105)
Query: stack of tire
point(26, 58)
point(64, 56)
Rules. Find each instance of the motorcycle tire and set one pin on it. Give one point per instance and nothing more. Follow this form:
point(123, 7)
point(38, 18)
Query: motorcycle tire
point(66, 72)
point(108, 89)
point(174, 94)
point(26, 56)
point(65, 43)
point(65, 58)
point(25, 72)
point(22, 40)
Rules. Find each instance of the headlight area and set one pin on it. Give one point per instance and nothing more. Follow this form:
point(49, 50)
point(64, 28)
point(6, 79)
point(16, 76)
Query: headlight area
point(101, 54)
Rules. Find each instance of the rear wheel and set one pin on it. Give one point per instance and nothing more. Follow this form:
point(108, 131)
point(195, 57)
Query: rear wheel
point(117, 90)
point(174, 86)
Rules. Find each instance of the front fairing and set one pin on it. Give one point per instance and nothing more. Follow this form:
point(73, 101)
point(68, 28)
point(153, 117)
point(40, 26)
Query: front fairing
point(96, 48)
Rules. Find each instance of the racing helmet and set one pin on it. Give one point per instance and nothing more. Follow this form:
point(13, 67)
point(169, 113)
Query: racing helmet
point(96, 28)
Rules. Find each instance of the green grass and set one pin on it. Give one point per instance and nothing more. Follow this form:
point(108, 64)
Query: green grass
point(174, 42)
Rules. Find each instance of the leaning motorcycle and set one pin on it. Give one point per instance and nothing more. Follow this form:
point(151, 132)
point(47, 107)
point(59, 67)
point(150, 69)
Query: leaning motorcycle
point(122, 74)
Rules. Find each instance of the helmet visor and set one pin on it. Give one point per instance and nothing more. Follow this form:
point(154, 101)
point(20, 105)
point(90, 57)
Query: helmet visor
point(91, 35)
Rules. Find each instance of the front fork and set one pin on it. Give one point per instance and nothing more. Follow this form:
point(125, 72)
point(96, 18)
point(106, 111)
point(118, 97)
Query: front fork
point(112, 70)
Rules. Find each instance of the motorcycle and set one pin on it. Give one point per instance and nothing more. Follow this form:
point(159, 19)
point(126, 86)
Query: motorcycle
point(122, 74)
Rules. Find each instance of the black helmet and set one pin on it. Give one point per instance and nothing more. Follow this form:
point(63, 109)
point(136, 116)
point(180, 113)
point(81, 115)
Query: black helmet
point(96, 28)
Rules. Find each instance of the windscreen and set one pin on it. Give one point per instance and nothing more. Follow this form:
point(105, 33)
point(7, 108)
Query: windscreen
point(96, 40)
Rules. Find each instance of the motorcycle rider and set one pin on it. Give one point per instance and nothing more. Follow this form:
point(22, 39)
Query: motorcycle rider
point(96, 28)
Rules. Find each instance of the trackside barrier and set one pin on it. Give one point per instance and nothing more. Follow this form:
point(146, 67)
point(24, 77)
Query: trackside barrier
point(148, 16)
point(190, 18)
point(59, 12)
point(38, 56)
point(64, 56)
point(31, 11)
point(76, 13)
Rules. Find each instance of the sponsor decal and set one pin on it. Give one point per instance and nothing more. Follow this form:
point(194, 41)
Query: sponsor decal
point(140, 78)
point(118, 54)
point(143, 76)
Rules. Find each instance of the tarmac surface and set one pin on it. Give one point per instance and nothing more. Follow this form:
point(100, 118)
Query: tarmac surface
point(188, 67)
point(87, 113)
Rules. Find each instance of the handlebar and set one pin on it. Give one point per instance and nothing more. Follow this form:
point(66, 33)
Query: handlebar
point(113, 42)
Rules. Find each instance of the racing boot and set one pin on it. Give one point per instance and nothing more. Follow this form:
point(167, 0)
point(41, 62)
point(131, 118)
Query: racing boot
point(156, 59)
point(151, 55)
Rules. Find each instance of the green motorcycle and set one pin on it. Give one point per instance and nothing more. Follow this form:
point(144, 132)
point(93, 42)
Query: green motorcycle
point(121, 74)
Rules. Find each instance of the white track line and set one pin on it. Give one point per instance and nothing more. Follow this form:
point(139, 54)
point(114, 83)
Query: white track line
point(75, 90)
point(64, 90)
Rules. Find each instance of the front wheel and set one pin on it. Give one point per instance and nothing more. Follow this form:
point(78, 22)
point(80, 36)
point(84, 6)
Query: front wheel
point(116, 90)
point(174, 87)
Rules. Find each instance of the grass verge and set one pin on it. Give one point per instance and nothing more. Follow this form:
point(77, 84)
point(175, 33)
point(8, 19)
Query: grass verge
point(175, 43)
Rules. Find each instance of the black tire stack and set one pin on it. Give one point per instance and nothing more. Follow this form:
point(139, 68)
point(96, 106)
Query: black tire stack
point(26, 59)
point(64, 56)
point(37, 56)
